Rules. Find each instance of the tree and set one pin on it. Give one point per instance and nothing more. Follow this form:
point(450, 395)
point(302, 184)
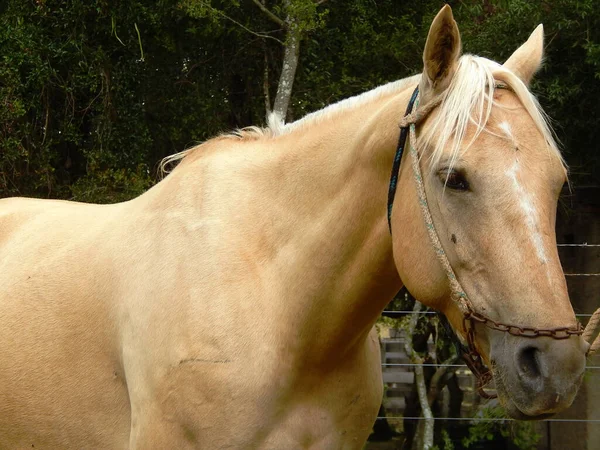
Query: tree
point(92, 95)
point(294, 19)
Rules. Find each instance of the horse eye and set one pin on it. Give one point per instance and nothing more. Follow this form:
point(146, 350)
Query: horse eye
point(454, 179)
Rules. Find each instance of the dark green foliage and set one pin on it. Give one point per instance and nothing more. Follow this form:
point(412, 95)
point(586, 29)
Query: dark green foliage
point(522, 434)
point(568, 85)
point(94, 93)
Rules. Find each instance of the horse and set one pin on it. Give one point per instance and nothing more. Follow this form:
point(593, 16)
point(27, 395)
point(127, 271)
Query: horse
point(233, 304)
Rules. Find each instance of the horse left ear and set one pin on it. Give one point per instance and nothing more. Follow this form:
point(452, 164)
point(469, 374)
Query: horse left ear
point(527, 59)
point(441, 54)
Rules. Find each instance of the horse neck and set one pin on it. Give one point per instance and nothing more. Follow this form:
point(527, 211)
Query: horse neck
point(309, 223)
point(336, 175)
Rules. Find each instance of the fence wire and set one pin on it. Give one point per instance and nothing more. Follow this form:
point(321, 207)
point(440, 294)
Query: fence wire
point(584, 244)
point(435, 312)
point(486, 419)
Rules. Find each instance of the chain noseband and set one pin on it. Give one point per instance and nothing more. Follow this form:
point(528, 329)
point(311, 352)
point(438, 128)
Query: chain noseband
point(471, 318)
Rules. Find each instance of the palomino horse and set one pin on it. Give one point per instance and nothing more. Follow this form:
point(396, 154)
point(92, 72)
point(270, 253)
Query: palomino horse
point(232, 305)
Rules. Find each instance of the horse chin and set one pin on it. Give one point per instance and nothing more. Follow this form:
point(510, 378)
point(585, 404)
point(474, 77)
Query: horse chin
point(522, 408)
point(515, 413)
point(509, 405)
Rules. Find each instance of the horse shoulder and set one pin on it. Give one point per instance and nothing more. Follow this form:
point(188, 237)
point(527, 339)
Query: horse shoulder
point(57, 325)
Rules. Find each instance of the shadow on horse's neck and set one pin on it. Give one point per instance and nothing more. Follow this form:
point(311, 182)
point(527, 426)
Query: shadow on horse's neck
point(302, 216)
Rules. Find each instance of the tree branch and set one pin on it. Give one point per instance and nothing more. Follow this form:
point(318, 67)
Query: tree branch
point(291, 55)
point(428, 423)
point(222, 14)
point(270, 15)
point(266, 82)
point(435, 385)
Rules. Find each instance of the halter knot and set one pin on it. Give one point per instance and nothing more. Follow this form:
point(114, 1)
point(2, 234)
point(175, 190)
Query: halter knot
point(421, 113)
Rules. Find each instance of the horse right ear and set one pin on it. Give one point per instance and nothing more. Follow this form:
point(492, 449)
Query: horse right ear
point(441, 54)
point(527, 59)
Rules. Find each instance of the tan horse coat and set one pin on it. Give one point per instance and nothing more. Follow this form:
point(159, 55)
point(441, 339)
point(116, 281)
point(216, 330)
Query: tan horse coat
point(230, 306)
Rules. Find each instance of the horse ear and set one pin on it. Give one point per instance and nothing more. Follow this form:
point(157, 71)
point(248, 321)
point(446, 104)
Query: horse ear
point(441, 54)
point(527, 59)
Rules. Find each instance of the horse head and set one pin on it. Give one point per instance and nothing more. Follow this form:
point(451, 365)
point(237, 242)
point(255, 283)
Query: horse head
point(491, 177)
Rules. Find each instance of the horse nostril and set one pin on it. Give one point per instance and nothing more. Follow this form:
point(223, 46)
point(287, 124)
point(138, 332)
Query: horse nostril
point(529, 364)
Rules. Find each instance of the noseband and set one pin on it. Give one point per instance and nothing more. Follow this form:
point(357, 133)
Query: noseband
point(471, 318)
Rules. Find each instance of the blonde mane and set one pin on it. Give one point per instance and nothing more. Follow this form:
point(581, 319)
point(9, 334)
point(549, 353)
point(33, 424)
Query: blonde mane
point(246, 134)
point(349, 103)
point(468, 100)
point(276, 126)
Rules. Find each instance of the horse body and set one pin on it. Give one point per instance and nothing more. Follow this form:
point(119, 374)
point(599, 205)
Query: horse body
point(232, 305)
point(183, 319)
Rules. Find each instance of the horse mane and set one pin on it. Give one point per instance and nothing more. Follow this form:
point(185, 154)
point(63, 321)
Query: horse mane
point(277, 127)
point(349, 103)
point(468, 100)
point(243, 134)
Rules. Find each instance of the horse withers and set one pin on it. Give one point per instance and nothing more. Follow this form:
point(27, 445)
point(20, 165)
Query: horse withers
point(232, 305)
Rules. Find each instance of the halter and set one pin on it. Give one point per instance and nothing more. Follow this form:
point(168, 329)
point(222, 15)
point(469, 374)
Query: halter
point(471, 317)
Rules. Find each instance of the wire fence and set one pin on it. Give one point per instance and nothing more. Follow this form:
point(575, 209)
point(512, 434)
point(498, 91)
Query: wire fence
point(583, 244)
point(464, 369)
point(487, 419)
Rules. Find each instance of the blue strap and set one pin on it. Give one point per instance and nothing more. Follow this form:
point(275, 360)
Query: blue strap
point(398, 159)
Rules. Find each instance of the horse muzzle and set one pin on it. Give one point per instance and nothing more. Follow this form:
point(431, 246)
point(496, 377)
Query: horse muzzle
point(536, 378)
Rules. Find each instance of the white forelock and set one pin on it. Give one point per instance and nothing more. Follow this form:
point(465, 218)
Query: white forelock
point(469, 100)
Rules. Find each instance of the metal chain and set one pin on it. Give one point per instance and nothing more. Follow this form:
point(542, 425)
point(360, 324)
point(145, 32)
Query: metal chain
point(474, 361)
point(529, 332)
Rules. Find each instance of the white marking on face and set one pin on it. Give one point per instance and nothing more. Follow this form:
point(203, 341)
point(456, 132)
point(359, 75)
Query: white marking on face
point(531, 215)
point(505, 126)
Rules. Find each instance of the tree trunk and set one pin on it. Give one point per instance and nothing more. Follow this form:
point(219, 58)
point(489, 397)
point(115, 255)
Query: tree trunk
point(288, 70)
point(424, 436)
